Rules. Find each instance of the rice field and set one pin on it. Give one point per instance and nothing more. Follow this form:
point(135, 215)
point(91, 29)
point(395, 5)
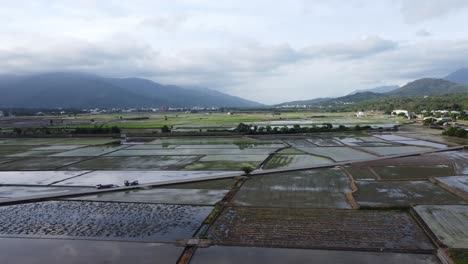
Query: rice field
point(188, 189)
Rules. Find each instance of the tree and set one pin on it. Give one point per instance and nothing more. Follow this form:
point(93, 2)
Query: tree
point(165, 129)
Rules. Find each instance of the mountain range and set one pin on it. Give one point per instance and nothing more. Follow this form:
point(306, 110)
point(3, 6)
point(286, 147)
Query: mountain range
point(380, 89)
point(78, 90)
point(460, 76)
point(454, 83)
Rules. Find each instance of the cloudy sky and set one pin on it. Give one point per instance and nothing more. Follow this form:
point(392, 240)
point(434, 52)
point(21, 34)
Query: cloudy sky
point(268, 51)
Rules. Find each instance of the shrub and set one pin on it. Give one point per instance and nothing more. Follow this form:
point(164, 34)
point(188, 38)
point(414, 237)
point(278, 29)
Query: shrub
point(247, 168)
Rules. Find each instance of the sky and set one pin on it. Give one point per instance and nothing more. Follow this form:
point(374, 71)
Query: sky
point(263, 50)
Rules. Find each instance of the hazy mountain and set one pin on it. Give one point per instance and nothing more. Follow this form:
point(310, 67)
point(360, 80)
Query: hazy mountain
point(460, 76)
point(358, 97)
point(305, 102)
point(429, 86)
point(353, 98)
point(77, 90)
point(380, 89)
point(421, 87)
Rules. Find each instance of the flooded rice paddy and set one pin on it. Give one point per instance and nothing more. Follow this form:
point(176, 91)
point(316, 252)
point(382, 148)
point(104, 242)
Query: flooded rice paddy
point(278, 214)
point(253, 255)
point(105, 221)
point(302, 189)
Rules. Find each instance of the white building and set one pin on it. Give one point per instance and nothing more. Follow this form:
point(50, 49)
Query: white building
point(406, 112)
point(1, 114)
point(360, 114)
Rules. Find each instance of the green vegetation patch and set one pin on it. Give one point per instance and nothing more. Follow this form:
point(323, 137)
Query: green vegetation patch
point(459, 256)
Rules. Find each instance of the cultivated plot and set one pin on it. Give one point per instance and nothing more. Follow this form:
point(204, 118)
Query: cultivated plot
point(89, 151)
point(211, 140)
point(412, 172)
point(394, 150)
point(401, 193)
point(222, 165)
point(150, 146)
point(449, 223)
point(163, 196)
point(13, 250)
point(361, 173)
point(458, 158)
point(422, 143)
point(40, 163)
point(32, 153)
point(222, 184)
point(253, 255)
point(318, 228)
point(36, 177)
point(325, 142)
point(458, 183)
point(102, 221)
point(26, 191)
point(135, 163)
point(87, 141)
point(231, 146)
point(282, 161)
point(119, 177)
point(199, 151)
point(303, 189)
point(338, 153)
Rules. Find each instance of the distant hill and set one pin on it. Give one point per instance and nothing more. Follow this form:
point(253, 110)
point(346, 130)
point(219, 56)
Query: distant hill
point(460, 76)
point(305, 102)
point(380, 89)
point(421, 87)
point(358, 97)
point(353, 98)
point(77, 90)
point(429, 86)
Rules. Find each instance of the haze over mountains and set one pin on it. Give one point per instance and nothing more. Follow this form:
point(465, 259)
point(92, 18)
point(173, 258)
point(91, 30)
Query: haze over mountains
point(77, 90)
point(454, 83)
point(380, 89)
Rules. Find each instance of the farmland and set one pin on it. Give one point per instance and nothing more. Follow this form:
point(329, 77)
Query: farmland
point(367, 196)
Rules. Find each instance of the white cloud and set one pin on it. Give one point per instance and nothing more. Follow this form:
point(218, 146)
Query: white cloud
point(423, 33)
point(290, 50)
point(415, 11)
